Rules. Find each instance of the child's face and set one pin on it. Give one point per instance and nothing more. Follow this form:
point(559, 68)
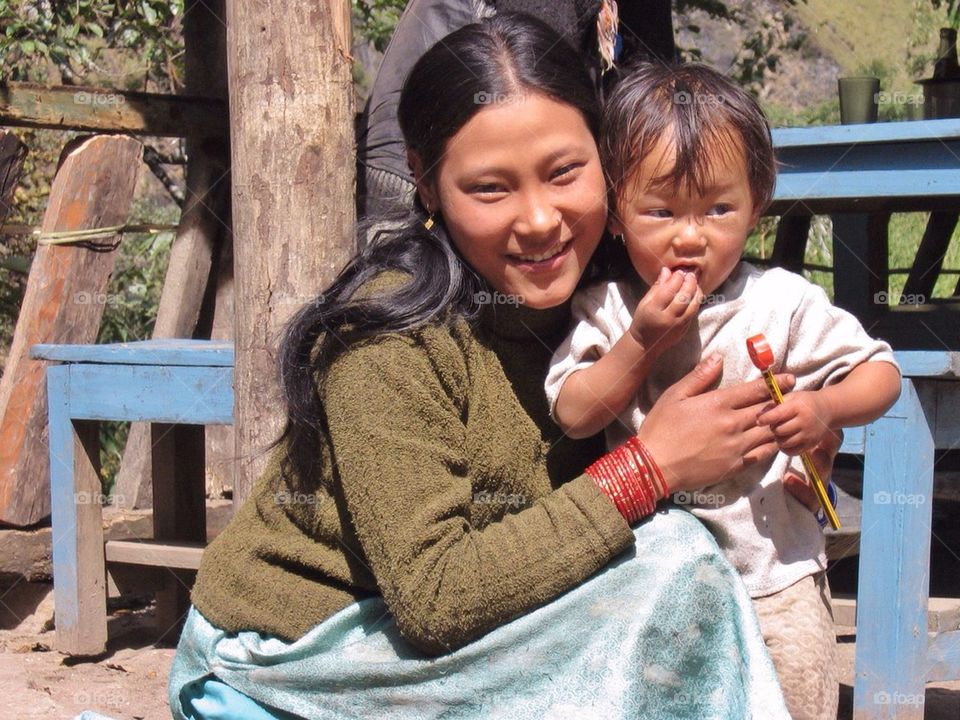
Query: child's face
point(703, 234)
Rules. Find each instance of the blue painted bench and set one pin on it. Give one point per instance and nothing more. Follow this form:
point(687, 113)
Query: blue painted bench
point(177, 385)
point(859, 175)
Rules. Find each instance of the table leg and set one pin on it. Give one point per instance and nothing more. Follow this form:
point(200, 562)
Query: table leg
point(179, 511)
point(79, 587)
point(894, 583)
point(860, 274)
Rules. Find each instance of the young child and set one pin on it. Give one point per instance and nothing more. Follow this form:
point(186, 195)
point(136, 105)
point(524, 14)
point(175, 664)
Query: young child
point(691, 167)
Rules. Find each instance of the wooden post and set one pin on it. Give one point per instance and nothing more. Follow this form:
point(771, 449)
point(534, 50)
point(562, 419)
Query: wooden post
point(221, 439)
point(63, 303)
point(12, 153)
point(203, 225)
point(292, 145)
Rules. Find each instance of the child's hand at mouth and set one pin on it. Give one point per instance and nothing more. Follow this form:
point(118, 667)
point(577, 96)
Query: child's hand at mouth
point(664, 313)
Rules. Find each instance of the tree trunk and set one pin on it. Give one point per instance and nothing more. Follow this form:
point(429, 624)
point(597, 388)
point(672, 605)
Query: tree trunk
point(202, 227)
point(292, 145)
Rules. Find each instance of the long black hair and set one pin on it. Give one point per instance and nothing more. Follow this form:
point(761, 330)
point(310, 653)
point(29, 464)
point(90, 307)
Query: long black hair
point(456, 78)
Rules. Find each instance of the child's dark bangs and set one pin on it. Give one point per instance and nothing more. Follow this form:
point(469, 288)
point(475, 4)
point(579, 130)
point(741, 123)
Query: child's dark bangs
point(703, 134)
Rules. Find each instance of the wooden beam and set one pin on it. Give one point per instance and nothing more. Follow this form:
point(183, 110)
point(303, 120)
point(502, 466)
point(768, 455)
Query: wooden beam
point(293, 172)
point(107, 110)
point(63, 303)
point(204, 227)
point(791, 244)
point(181, 555)
point(930, 255)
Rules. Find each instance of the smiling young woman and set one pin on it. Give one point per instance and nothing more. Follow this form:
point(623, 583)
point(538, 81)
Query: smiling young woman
point(455, 555)
point(523, 196)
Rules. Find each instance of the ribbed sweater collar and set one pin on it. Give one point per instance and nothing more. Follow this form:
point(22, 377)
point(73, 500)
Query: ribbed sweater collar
point(519, 322)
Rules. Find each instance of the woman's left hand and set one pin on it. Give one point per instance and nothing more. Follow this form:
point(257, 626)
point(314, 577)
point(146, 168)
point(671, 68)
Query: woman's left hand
point(823, 456)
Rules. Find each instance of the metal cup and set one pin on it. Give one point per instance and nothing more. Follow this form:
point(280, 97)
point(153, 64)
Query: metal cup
point(858, 99)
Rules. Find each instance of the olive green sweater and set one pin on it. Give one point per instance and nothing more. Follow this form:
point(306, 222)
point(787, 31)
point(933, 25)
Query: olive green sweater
point(442, 485)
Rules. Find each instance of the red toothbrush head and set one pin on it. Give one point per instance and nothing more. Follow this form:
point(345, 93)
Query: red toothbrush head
point(760, 352)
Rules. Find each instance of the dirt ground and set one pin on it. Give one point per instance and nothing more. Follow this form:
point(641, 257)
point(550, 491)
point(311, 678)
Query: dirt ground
point(36, 682)
point(129, 682)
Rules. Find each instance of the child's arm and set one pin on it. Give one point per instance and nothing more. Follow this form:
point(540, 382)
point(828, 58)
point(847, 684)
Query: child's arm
point(863, 395)
point(592, 398)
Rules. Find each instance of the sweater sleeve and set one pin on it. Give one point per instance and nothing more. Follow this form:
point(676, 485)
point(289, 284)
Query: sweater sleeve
point(396, 410)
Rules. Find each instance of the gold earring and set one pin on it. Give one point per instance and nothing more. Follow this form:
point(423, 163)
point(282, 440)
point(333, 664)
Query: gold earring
point(428, 223)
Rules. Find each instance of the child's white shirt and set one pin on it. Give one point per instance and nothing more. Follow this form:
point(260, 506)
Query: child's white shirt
point(770, 537)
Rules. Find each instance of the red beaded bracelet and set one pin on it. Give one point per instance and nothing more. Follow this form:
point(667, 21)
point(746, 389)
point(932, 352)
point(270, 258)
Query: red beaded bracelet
point(630, 478)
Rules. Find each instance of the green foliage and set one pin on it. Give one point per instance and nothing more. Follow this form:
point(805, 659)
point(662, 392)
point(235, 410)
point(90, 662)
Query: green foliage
point(73, 35)
point(951, 8)
point(376, 19)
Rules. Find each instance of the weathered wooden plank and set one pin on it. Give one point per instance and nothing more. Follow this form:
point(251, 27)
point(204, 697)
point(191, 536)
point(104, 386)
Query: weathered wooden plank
point(929, 259)
point(279, 151)
point(204, 226)
point(943, 616)
point(79, 591)
point(929, 363)
point(107, 110)
point(854, 440)
point(860, 263)
point(220, 440)
point(93, 188)
point(912, 131)
point(931, 327)
point(151, 552)
point(162, 351)
point(791, 243)
point(179, 512)
point(895, 559)
point(944, 657)
point(152, 392)
point(12, 154)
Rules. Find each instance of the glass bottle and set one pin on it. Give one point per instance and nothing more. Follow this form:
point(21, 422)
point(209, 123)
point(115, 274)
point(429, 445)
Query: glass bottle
point(947, 67)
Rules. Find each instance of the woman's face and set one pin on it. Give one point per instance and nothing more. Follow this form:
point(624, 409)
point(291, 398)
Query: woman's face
point(523, 197)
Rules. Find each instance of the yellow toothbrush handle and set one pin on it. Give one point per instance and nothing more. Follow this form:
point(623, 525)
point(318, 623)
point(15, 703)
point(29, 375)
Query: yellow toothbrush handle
point(818, 486)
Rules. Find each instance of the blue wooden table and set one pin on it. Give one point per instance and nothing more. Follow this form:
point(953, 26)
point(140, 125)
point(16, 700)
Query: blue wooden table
point(177, 385)
point(859, 175)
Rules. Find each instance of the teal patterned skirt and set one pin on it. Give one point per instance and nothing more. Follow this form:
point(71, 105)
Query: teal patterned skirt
point(665, 631)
